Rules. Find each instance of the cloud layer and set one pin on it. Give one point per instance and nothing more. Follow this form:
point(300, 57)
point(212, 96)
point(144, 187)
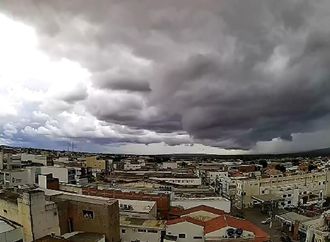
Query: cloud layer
point(222, 73)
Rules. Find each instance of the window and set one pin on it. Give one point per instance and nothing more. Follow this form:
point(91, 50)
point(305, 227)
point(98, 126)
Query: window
point(123, 231)
point(182, 236)
point(289, 202)
point(142, 230)
point(88, 214)
point(289, 195)
point(5, 210)
point(152, 231)
point(198, 237)
point(284, 195)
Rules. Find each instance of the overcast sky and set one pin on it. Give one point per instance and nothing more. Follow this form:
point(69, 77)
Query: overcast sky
point(146, 76)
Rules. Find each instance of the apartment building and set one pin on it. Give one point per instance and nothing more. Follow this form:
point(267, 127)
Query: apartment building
point(303, 189)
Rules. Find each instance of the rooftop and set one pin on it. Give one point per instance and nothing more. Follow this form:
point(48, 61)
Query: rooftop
point(137, 205)
point(78, 197)
point(267, 197)
point(143, 223)
point(9, 195)
point(84, 237)
point(292, 217)
point(7, 225)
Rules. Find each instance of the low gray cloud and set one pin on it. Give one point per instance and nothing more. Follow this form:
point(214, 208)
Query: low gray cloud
point(227, 73)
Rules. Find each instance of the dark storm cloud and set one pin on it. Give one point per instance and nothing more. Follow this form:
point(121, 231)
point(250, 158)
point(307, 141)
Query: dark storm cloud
point(122, 83)
point(228, 72)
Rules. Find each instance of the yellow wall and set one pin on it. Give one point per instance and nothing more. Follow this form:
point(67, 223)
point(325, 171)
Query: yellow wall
point(92, 162)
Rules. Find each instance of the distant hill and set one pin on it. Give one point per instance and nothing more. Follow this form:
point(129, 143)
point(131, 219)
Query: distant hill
point(246, 157)
point(319, 152)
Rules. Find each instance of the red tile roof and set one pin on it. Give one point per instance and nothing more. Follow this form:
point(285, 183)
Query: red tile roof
point(221, 221)
point(227, 220)
point(185, 219)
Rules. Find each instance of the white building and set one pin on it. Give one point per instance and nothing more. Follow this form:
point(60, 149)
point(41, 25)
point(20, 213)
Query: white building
point(143, 230)
point(132, 166)
point(213, 176)
point(64, 174)
point(10, 178)
point(169, 165)
point(184, 230)
point(182, 181)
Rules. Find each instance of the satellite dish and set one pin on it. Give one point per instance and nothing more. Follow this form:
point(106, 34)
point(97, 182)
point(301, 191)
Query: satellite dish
point(239, 232)
point(231, 232)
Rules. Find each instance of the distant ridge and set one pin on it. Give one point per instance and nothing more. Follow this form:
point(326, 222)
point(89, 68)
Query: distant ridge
point(318, 152)
point(310, 153)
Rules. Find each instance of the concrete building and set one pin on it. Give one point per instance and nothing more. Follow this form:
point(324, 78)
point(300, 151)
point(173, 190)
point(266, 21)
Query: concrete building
point(64, 174)
point(181, 181)
point(138, 208)
point(132, 166)
point(30, 209)
point(38, 159)
point(316, 229)
point(11, 178)
point(86, 213)
point(162, 200)
point(299, 189)
point(214, 176)
point(96, 164)
point(10, 231)
point(49, 212)
point(170, 165)
point(48, 182)
point(1, 160)
point(143, 230)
